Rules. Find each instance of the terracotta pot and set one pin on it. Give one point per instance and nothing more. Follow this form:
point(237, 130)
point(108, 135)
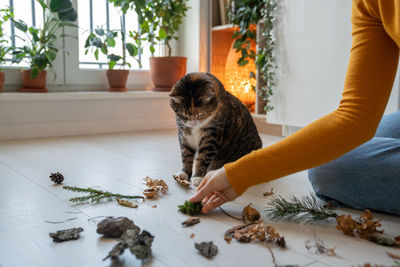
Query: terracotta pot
point(117, 80)
point(166, 71)
point(1, 81)
point(36, 85)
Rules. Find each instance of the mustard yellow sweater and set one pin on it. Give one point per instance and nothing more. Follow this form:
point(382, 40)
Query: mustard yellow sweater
point(369, 80)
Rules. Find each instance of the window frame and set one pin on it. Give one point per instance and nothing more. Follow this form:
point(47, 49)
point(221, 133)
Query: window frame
point(69, 75)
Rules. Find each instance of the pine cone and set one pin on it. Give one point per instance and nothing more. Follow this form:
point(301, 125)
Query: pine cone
point(57, 177)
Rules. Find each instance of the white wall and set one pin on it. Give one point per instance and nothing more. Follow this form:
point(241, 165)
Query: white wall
point(313, 41)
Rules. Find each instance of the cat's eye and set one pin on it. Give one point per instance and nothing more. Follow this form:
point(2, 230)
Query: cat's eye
point(201, 116)
point(184, 116)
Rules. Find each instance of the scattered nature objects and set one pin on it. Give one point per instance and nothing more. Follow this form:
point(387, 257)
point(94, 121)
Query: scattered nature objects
point(255, 231)
point(154, 187)
point(320, 248)
point(57, 177)
point(269, 193)
point(308, 209)
point(154, 206)
point(115, 227)
point(207, 249)
point(126, 203)
point(182, 182)
point(65, 235)
point(250, 214)
point(138, 244)
point(95, 196)
point(192, 235)
point(191, 208)
point(191, 221)
point(393, 256)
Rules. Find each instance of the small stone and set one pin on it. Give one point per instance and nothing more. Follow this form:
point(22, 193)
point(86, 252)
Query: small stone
point(207, 249)
point(115, 227)
point(67, 234)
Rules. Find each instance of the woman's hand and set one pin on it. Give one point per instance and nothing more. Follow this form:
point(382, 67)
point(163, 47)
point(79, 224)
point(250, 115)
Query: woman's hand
point(214, 190)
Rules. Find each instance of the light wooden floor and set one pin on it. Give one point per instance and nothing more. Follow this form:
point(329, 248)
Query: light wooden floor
point(118, 163)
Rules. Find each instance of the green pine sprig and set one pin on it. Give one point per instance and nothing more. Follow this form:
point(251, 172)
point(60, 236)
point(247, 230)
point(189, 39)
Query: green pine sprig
point(308, 209)
point(95, 196)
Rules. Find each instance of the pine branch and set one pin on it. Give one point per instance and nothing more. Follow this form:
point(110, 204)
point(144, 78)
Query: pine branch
point(308, 209)
point(96, 196)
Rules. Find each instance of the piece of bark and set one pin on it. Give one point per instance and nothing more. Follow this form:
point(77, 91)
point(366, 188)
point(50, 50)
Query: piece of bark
point(66, 234)
point(115, 227)
point(191, 221)
point(207, 249)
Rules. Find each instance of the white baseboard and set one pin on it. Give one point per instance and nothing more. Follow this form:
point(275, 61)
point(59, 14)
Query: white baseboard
point(25, 116)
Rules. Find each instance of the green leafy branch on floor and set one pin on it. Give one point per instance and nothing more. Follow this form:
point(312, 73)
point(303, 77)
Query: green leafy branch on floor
point(308, 209)
point(95, 196)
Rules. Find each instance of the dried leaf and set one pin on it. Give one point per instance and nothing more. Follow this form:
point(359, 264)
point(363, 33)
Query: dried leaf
point(346, 224)
point(270, 193)
point(393, 256)
point(253, 232)
point(154, 187)
point(66, 234)
point(154, 206)
point(207, 249)
point(126, 203)
point(182, 182)
point(250, 214)
point(191, 221)
point(192, 235)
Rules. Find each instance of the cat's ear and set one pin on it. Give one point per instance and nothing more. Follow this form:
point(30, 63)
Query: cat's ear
point(176, 98)
point(206, 98)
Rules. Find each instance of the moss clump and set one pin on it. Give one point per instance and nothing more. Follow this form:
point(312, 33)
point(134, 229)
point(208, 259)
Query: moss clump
point(191, 208)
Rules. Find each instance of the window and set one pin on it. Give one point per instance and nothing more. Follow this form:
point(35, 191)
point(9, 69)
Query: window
point(78, 71)
point(93, 14)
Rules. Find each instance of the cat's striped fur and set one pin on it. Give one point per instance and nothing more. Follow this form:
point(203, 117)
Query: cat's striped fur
point(214, 127)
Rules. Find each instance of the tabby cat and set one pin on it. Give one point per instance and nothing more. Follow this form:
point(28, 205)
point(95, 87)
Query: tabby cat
point(214, 127)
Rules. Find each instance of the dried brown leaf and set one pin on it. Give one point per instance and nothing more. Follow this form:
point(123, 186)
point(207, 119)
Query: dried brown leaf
point(156, 185)
point(191, 221)
point(270, 193)
point(250, 214)
point(192, 235)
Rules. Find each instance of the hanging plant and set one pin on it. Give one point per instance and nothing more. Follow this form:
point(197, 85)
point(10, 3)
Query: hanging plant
point(244, 14)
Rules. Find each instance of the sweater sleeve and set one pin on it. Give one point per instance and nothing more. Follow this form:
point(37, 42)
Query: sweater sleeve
point(369, 80)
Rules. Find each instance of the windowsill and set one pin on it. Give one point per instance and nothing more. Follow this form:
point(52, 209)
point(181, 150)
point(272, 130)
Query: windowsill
point(16, 96)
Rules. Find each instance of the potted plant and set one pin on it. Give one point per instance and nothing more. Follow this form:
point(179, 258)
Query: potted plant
point(40, 47)
point(161, 23)
point(5, 15)
point(101, 41)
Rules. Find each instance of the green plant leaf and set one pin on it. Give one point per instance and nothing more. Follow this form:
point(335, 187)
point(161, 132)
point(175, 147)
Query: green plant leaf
point(43, 4)
point(132, 49)
point(110, 42)
point(34, 72)
point(99, 31)
point(69, 15)
point(162, 34)
point(111, 64)
point(104, 49)
point(113, 57)
point(60, 5)
point(69, 24)
point(34, 32)
point(96, 54)
point(152, 49)
point(20, 25)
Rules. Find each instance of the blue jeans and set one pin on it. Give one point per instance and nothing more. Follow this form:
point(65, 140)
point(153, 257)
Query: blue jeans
point(367, 177)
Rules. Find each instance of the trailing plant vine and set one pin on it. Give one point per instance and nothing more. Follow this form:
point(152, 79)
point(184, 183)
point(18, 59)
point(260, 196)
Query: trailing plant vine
point(244, 14)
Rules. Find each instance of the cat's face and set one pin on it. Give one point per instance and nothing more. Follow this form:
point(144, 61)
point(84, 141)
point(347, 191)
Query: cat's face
point(193, 99)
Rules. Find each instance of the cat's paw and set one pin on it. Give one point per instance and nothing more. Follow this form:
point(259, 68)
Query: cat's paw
point(181, 175)
point(197, 180)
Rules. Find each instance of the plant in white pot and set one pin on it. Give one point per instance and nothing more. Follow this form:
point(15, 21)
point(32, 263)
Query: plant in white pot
point(40, 47)
point(104, 41)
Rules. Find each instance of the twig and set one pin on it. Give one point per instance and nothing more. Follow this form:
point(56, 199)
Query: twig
point(272, 255)
point(70, 219)
point(239, 219)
